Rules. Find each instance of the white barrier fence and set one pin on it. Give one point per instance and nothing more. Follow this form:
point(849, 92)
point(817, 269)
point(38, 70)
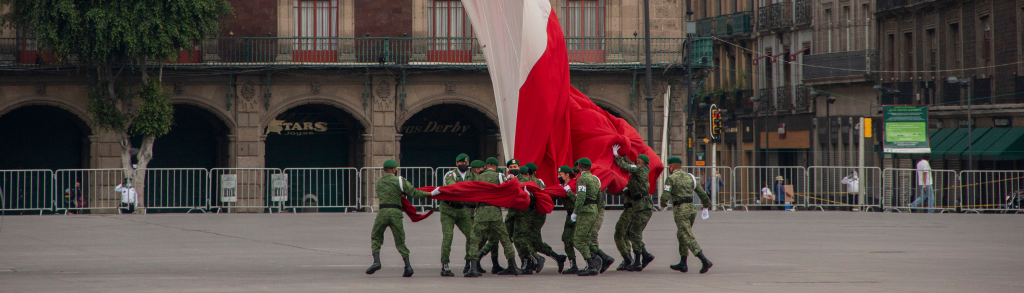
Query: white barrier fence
point(351, 189)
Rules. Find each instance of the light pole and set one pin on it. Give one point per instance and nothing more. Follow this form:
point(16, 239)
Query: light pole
point(828, 116)
point(965, 84)
point(647, 72)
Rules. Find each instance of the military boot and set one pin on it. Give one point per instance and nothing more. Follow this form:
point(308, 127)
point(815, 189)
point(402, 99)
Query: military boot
point(376, 264)
point(648, 257)
point(705, 264)
point(472, 272)
point(495, 266)
point(528, 264)
point(469, 265)
point(538, 263)
point(593, 266)
point(627, 262)
point(637, 264)
point(408, 268)
point(445, 271)
point(512, 269)
point(681, 266)
point(572, 270)
point(561, 261)
point(606, 260)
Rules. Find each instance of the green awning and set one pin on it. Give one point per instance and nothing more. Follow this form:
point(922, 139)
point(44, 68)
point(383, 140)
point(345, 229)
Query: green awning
point(961, 145)
point(1009, 147)
point(952, 139)
point(937, 136)
point(984, 143)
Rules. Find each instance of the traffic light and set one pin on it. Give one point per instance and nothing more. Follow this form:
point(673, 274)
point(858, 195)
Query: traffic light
point(716, 123)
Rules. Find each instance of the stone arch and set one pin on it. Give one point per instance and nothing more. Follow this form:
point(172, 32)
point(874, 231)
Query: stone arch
point(199, 138)
point(621, 112)
point(433, 136)
point(314, 133)
point(435, 100)
point(355, 110)
point(204, 103)
point(49, 134)
point(31, 100)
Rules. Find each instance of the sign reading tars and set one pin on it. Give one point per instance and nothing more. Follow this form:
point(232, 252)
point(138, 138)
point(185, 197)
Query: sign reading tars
point(295, 128)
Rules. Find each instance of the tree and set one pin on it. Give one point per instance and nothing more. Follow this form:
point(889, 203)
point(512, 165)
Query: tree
point(112, 37)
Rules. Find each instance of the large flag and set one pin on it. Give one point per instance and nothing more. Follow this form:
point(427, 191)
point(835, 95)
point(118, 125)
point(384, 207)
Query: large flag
point(541, 117)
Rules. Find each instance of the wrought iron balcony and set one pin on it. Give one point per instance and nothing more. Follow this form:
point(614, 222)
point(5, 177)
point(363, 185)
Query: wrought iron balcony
point(767, 106)
point(804, 13)
point(801, 98)
point(584, 53)
point(703, 52)
point(778, 16)
point(740, 23)
point(722, 26)
point(706, 27)
point(886, 5)
point(783, 98)
point(849, 65)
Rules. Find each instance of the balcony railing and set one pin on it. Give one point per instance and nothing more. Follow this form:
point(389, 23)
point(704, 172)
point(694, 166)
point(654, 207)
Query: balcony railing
point(706, 27)
point(803, 13)
point(703, 52)
point(776, 16)
point(883, 5)
point(802, 97)
point(767, 100)
point(722, 25)
point(783, 98)
point(740, 23)
point(583, 53)
point(847, 65)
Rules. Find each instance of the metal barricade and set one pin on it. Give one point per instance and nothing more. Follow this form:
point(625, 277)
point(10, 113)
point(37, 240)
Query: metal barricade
point(176, 190)
point(244, 189)
point(439, 174)
point(748, 183)
point(726, 193)
point(28, 191)
point(997, 191)
point(418, 176)
point(95, 186)
point(903, 187)
point(322, 189)
point(843, 187)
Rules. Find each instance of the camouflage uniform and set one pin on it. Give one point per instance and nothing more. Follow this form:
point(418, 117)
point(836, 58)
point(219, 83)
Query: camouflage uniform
point(569, 229)
point(679, 188)
point(452, 217)
point(587, 193)
point(637, 207)
point(537, 221)
point(389, 192)
point(487, 221)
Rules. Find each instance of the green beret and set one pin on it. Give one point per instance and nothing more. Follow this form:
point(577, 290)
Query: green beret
point(532, 166)
point(673, 160)
point(462, 157)
point(583, 161)
point(492, 161)
point(565, 169)
point(524, 169)
point(390, 164)
point(512, 162)
point(476, 164)
point(645, 158)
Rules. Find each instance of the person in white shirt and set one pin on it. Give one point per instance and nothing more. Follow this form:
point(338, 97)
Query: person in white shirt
point(852, 186)
point(129, 197)
point(924, 185)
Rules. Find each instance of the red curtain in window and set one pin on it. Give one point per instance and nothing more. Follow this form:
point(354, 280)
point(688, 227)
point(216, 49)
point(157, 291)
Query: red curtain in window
point(450, 31)
point(584, 28)
point(316, 31)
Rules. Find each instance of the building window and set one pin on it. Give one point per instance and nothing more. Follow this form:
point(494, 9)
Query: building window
point(908, 42)
point(583, 26)
point(316, 27)
point(450, 31)
point(986, 41)
point(954, 35)
point(930, 48)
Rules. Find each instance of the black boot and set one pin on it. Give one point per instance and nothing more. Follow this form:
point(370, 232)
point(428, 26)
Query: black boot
point(469, 265)
point(473, 272)
point(445, 271)
point(637, 264)
point(512, 269)
point(681, 266)
point(561, 261)
point(408, 268)
point(705, 264)
point(648, 257)
point(627, 262)
point(538, 262)
point(593, 266)
point(606, 260)
point(376, 264)
point(572, 270)
point(528, 264)
point(495, 266)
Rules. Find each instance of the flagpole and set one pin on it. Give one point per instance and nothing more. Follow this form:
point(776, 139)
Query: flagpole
point(647, 69)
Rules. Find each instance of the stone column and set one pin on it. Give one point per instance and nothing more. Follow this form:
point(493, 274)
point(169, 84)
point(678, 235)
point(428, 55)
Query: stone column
point(247, 144)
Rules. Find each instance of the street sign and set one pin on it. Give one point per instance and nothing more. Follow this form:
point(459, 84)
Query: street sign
point(706, 140)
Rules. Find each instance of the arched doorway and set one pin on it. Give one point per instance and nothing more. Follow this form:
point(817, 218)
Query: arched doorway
point(314, 136)
point(43, 137)
point(434, 136)
point(198, 139)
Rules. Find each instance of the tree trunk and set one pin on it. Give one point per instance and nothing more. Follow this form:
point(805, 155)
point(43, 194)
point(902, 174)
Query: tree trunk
point(145, 155)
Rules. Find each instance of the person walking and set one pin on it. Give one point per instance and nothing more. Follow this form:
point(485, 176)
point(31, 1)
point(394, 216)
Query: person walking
point(566, 174)
point(925, 188)
point(389, 190)
point(636, 212)
point(585, 213)
point(679, 189)
point(454, 213)
point(780, 193)
point(487, 222)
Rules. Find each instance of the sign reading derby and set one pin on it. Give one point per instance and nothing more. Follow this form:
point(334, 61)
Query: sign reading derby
point(456, 128)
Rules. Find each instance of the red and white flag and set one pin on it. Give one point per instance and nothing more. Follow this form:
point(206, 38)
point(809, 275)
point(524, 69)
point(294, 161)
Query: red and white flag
point(541, 117)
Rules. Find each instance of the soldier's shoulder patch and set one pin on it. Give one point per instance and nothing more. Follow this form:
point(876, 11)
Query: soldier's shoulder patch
point(632, 166)
point(668, 187)
point(581, 188)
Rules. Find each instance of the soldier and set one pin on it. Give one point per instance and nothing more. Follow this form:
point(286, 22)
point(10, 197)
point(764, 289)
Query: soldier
point(455, 213)
point(517, 223)
point(477, 166)
point(537, 221)
point(679, 188)
point(585, 213)
point(565, 174)
point(487, 221)
point(389, 191)
point(637, 211)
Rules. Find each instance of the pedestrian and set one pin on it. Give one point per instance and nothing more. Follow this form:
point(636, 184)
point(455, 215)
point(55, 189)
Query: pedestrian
point(766, 194)
point(389, 190)
point(780, 193)
point(679, 189)
point(487, 222)
point(637, 209)
point(454, 213)
point(565, 175)
point(925, 191)
point(129, 197)
point(709, 184)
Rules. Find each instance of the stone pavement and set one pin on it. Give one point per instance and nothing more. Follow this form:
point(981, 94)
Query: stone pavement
point(752, 252)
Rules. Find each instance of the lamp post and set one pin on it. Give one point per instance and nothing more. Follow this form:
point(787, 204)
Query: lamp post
point(828, 116)
point(647, 73)
point(966, 86)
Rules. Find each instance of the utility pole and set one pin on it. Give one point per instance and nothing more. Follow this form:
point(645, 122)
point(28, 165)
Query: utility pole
point(689, 80)
point(647, 69)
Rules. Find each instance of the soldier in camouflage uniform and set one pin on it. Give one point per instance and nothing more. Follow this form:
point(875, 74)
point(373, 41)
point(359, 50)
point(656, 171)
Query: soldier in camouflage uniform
point(477, 167)
point(487, 221)
point(389, 191)
point(637, 211)
point(454, 214)
point(606, 260)
point(565, 174)
point(679, 188)
point(537, 221)
point(512, 217)
point(585, 213)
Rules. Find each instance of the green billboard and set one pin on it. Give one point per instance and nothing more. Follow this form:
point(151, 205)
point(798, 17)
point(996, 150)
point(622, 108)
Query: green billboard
point(906, 129)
